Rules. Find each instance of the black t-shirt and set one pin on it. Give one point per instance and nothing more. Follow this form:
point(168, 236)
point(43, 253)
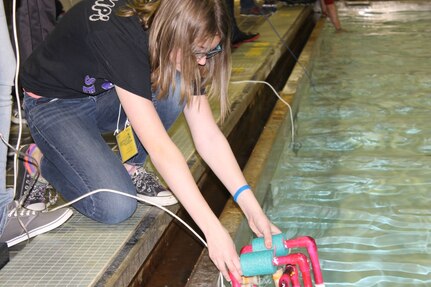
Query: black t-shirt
point(90, 51)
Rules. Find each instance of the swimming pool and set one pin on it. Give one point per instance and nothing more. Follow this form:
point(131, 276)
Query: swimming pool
point(358, 178)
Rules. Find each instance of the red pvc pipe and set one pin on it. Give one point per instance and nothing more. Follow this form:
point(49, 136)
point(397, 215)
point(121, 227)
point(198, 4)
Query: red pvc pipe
point(289, 277)
point(235, 283)
point(310, 244)
point(293, 274)
point(284, 281)
point(301, 242)
point(296, 259)
point(246, 249)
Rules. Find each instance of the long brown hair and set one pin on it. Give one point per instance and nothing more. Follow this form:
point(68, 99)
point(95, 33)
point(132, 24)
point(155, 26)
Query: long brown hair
point(144, 9)
point(178, 26)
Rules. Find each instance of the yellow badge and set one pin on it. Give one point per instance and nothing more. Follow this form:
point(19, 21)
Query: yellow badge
point(126, 144)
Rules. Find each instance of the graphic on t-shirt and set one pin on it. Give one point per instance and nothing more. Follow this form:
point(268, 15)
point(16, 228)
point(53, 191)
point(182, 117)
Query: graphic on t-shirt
point(102, 9)
point(107, 85)
point(89, 87)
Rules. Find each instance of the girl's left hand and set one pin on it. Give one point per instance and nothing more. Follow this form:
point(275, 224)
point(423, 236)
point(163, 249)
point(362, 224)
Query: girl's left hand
point(262, 227)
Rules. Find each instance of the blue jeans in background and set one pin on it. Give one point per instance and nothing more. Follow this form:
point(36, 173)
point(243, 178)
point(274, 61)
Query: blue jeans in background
point(247, 4)
point(7, 74)
point(76, 158)
point(6, 197)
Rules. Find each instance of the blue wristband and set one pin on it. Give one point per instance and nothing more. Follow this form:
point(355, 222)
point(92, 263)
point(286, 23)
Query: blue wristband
point(239, 191)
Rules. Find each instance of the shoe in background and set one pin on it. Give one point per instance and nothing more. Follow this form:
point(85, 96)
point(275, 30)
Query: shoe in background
point(241, 38)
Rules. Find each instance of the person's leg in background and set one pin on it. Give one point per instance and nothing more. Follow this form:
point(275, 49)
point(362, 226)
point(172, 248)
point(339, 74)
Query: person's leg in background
point(328, 8)
point(34, 223)
point(250, 8)
point(7, 75)
point(238, 36)
point(247, 4)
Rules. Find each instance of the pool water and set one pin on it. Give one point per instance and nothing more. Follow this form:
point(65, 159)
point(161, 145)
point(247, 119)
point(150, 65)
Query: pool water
point(359, 179)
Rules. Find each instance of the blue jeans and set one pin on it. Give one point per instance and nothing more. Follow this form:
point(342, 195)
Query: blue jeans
point(7, 74)
point(76, 158)
point(6, 197)
point(247, 4)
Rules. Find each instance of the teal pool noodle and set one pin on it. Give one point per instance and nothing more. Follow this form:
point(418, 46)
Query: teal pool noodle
point(258, 244)
point(257, 263)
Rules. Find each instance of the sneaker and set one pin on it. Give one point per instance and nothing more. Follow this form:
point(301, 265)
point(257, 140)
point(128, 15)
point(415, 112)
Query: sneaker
point(31, 191)
point(23, 224)
point(242, 38)
point(148, 187)
point(256, 11)
point(15, 116)
point(270, 5)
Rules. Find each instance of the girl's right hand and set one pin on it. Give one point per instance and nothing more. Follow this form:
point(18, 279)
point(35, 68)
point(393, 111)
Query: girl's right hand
point(223, 253)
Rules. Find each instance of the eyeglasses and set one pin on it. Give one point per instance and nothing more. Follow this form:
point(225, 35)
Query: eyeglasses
point(218, 49)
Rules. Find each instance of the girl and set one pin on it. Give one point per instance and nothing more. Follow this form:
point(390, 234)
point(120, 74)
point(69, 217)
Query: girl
point(109, 62)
